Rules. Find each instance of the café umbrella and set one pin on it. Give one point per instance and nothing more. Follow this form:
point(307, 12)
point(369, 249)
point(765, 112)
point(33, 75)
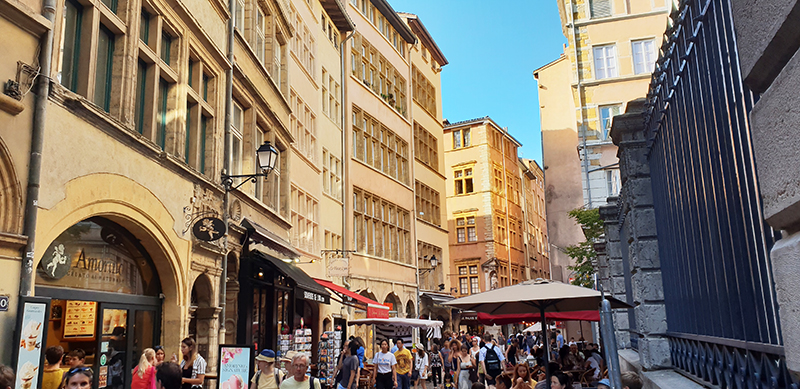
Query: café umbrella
point(538, 296)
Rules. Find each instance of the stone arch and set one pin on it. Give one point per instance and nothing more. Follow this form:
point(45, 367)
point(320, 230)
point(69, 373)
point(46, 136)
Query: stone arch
point(368, 295)
point(11, 207)
point(135, 208)
point(202, 292)
point(411, 313)
point(202, 313)
point(327, 324)
point(397, 305)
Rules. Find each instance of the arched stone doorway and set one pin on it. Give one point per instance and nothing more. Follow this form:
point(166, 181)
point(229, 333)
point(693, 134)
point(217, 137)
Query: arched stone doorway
point(202, 314)
point(397, 306)
point(100, 274)
point(410, 311)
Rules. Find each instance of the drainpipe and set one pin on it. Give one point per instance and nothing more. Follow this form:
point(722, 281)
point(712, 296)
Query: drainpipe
point(580, 103)
point(226, 167)
point(37, 142)
point(343, 98)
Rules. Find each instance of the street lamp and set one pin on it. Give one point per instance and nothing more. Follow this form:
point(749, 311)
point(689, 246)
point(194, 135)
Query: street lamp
point(434, 261)
point(267, 156)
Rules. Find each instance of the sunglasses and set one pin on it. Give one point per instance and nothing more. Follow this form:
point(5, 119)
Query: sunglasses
point(77, 370)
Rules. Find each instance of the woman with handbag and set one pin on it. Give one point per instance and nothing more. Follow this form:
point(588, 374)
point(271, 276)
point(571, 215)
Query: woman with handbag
point(421, 367)
point(436, 366)
point(467, 362)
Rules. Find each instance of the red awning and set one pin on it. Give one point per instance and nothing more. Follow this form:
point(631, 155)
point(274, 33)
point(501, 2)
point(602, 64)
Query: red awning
point(486, 318)
point(375, 310)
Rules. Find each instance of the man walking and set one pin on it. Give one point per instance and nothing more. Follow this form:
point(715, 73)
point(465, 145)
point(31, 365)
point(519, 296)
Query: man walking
point(491, 359)
point(404, 364)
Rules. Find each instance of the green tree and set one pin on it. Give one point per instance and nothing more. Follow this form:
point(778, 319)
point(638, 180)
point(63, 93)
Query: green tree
point(583, 253)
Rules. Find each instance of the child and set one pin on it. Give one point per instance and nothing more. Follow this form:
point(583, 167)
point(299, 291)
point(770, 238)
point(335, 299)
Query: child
point(448, 382)
point(53, 373)
point(77, 358)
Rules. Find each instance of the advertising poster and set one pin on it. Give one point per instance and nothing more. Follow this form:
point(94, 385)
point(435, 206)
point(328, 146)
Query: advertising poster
point(234, 366)
point(31, 336)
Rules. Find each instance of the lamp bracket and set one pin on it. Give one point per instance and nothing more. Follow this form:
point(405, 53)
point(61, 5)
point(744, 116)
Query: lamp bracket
point(227, 180)
point(190, 217)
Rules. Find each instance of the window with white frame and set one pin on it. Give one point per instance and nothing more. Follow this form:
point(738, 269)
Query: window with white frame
point(302, 123)
point(612, 183)
point(381, 228)
point(607, 112)
point(237, 129)
point(305, 213)
point(644, 55)
point(605, 61)
point(465, 229)
point(428, 205)
point(331, 175)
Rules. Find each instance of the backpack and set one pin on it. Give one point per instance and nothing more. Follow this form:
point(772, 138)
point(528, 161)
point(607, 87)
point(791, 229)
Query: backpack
point(278, 375)
point(492, 361)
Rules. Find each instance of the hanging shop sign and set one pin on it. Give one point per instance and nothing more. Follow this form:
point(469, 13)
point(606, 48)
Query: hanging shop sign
point(208, 229)
point(235, 365)
point(31, 334)
point(338, 265)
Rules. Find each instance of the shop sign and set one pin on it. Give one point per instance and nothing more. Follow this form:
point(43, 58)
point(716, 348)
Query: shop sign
point(235, 365)
point(338, 266)
point(208, 229)
point(377, 313)
point(469, 317)
point(30, 335)
point(316, 297)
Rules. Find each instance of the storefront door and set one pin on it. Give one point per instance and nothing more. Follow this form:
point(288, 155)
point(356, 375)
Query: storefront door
point(126, 331)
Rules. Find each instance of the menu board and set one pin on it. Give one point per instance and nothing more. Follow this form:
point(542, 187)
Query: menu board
point(80, 318)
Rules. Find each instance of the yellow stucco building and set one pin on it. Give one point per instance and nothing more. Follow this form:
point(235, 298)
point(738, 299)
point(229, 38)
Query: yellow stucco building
point(611, 49)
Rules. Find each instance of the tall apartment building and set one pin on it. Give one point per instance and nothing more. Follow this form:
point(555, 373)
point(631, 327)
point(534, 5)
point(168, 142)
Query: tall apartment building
point(535, 229)
point(379, 178)
point(612, 47)
point(133, 147)
point(427, 61)
point(485, 203)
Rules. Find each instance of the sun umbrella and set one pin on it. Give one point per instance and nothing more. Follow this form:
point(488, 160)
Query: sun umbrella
point(536, 295)
point(485, 318)
point(537, 327)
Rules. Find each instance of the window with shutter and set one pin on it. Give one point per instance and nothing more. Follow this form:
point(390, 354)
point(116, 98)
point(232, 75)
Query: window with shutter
point(600, 8)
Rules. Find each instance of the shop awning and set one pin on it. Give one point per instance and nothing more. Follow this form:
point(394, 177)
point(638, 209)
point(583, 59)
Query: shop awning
point(437, 298)
point(374, 309)
point(269, 239)
point(306, 288)
point(486, 318)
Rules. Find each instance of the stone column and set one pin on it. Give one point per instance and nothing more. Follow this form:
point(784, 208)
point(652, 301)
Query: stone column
point(768, 37)
point(638, 222)
point(610, 270)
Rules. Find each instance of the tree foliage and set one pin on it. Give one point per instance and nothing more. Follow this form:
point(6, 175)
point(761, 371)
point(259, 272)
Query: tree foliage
point(583, 253)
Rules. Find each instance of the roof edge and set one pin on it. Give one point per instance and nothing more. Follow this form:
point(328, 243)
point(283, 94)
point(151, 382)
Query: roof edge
point(391, 15)
point(425, 37)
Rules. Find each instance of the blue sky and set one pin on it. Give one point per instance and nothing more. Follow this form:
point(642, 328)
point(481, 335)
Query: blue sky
point(493, 48)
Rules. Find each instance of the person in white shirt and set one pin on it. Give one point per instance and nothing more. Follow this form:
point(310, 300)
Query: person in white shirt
point(384, 376)
point(421, 365)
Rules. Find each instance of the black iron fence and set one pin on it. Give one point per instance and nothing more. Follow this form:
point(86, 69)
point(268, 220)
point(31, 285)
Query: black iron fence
point(713, 243)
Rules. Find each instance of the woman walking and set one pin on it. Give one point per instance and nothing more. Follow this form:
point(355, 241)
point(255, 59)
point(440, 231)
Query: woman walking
point(193, 366)
point(144, 375)
point(466, 364)
point(421, 365)
point(436, 366)
point(384, 376)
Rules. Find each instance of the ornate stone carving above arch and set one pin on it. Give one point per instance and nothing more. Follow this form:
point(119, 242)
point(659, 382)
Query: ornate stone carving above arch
point(11, 207)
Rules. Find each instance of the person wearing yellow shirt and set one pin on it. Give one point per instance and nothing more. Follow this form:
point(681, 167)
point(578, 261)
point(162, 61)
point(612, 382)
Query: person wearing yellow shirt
point(404, 364)
point(53, 374)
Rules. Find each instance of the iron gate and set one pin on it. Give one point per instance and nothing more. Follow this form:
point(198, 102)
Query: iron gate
point(713, 242)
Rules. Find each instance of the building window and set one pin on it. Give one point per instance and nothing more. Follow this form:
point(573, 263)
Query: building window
point(379, 147)
point(163, 99)
point(70, 49)
point(141, 90)
point(612, 184)
point(166, 47)
point(331, 101)
point(428, 205)
point(644, 56)
point(468, 279)
point(303, 123)
point(424, 91)
point(465, 229)
point(238, 15)
point(461, 138)
point(237, 131)
point(331, 175)
point(500, 230)
point(277, 184)
point(304, 221)
point(427, 147)
point(600, 8)
point(105, 64)
point(144, 27)
point(303, 44)
point(605, 61)
point(377, 73)
point(463, 181)
point(606, 114)
point(381, 228)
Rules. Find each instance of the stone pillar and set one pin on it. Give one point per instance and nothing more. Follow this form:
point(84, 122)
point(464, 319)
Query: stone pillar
point(637, 216)
point(768, 36)
point(610, 270)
